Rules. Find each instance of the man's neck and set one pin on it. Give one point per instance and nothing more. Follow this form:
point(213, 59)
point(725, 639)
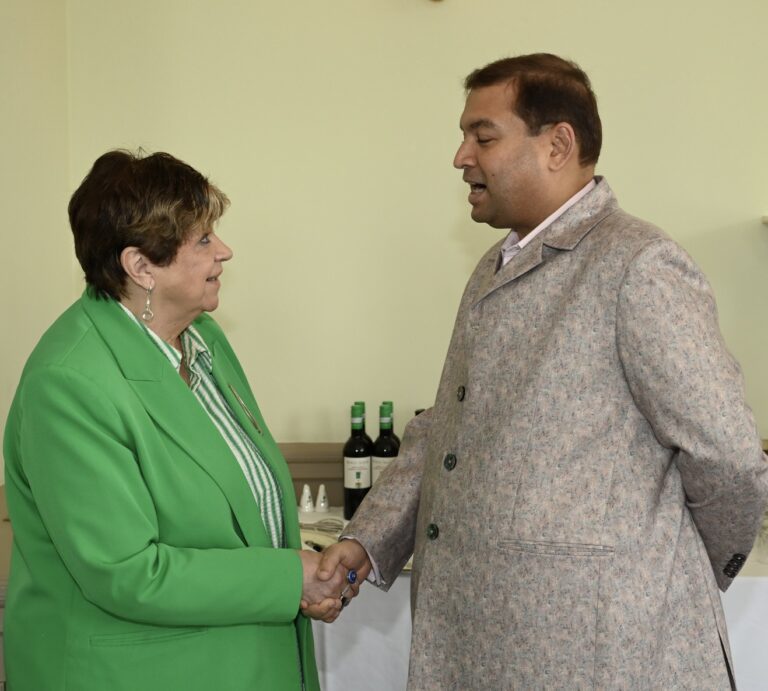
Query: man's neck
point(560, 197)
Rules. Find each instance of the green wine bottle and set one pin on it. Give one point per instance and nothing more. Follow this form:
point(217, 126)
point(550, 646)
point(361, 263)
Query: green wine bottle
point(357, 464)
point(392, 415)
point(385, 447)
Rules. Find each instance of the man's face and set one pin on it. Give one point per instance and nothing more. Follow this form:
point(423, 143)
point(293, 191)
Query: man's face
point(503, 164)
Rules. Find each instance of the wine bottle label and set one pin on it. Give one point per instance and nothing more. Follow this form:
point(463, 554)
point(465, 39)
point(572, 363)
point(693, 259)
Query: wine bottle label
point(357, 472)
point(378, 463)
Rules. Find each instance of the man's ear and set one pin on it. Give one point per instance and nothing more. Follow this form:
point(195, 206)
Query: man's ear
point(137, 267)
point(563, 146)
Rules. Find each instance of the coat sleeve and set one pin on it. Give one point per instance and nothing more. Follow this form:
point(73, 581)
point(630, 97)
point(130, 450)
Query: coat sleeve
point(690, 390)
point(78, 456)
point(385, 523)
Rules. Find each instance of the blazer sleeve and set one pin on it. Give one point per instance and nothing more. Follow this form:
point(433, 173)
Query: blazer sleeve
point(690, 390)
point(79, 457)
point(385, 522)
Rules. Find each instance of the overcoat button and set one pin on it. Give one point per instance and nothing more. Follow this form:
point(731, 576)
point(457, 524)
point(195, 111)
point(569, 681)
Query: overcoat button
point(460, 393)
point(432, 531)
point(734, 565)
point(449, 462)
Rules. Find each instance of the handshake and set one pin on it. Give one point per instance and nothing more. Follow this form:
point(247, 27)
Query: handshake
point(325, 586)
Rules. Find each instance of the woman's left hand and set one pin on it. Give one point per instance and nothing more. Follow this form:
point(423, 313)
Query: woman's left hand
point(326, 611)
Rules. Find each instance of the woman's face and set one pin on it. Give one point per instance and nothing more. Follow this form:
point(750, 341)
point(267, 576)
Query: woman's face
point(189, 285)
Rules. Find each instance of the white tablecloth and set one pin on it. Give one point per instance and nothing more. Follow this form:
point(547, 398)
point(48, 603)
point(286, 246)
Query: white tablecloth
point(367, 647)
point(746, 610)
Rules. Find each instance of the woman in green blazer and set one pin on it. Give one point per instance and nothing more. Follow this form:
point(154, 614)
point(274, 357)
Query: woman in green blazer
point(156, 543)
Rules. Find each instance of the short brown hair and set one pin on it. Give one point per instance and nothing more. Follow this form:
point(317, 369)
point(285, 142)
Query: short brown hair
point(132, 200)
point(548, 90)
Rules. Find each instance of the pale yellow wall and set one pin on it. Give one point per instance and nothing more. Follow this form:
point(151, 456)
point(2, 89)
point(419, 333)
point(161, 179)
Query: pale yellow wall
point(36, 278)
point(332, 126)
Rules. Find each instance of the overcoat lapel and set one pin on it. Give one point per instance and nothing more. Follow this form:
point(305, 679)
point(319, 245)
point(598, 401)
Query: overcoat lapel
point(174, 408)
point(529, 258)
point(565, 233)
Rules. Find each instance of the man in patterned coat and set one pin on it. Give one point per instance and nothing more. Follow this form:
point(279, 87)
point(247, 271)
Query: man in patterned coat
point(589, 473)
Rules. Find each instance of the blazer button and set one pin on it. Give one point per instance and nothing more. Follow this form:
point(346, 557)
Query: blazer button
point(449, 462)
point(432, 531)
point(460, 393)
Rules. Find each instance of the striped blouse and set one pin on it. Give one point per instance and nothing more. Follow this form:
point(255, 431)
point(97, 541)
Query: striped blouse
point(258, 474)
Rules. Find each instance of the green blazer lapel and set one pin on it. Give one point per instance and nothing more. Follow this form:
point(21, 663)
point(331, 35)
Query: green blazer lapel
point(175, 409)
point(246, 410)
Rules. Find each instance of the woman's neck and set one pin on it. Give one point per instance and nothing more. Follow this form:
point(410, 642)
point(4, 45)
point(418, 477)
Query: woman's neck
point(168, 329)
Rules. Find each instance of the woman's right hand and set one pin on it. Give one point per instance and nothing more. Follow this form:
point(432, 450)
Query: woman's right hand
point(320, 599)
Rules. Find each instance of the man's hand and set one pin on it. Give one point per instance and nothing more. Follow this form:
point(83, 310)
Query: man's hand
point(348, 553)
point(326, 572)
point(321, 598)
point(345, 556)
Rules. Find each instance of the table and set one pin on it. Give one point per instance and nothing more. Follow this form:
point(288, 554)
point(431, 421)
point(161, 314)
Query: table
point(367, 647)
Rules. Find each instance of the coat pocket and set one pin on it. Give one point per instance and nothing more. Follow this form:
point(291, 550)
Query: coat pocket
point(150, 660)
point(111, 640)
point(565, 549)
point(552, 594)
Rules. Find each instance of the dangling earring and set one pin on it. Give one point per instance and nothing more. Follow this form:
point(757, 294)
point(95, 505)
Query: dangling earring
point(148, 315)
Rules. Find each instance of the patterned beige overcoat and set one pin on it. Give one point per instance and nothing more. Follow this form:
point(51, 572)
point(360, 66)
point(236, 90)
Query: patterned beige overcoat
point(587, 478)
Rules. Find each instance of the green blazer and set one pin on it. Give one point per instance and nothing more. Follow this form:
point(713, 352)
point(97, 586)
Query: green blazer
point(140, 560)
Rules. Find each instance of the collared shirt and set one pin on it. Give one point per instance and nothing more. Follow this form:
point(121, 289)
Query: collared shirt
point(513, 244)
point(199, 365)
